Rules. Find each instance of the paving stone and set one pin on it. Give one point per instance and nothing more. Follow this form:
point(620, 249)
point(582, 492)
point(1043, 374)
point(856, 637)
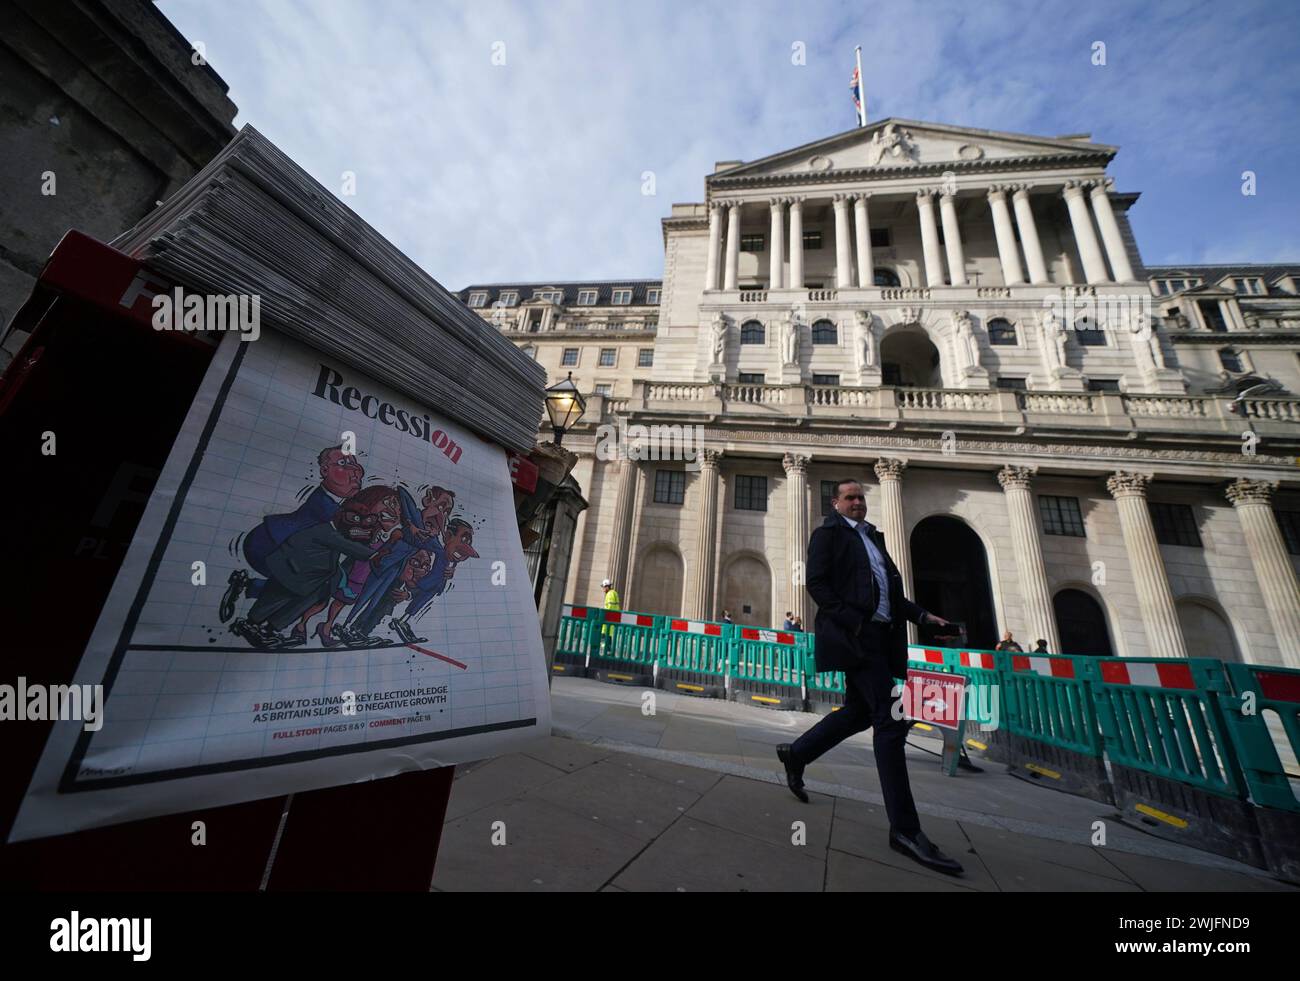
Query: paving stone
point(690, 777)
point(871, 841)
point(1081, 857)
point(1161, 875)
point(617, 797)
point(496, 780)
point(850, 873)
point(544, 852)
point(694, 856)
point(1018, 871)
point(566, 754)
point(765, 811)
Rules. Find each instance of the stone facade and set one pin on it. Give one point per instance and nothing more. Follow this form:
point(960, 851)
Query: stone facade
point(1054, 439)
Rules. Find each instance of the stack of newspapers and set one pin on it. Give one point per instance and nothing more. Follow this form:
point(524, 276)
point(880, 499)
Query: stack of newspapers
point(253, 222)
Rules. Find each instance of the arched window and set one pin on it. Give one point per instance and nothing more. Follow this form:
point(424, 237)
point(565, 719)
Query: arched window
point(886, 277)
point(1001, 331)
point(825, 332)
point(751, 332)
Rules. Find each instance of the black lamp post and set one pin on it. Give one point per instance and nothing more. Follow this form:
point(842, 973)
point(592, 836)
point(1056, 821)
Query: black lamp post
point(565, 405)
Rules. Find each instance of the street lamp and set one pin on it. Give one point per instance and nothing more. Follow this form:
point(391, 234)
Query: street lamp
point(565, 405)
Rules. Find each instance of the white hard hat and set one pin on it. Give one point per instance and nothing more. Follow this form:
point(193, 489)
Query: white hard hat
point(606, 582)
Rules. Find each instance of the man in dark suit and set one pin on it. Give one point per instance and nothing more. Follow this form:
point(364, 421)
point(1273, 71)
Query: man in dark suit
point(860, 630)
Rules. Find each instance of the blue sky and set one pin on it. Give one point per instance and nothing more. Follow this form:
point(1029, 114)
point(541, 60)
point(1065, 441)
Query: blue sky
point(532, 170)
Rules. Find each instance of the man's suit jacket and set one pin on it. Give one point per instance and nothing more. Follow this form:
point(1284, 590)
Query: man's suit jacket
point(308, 560)
point(275, 529)
point(840, 581)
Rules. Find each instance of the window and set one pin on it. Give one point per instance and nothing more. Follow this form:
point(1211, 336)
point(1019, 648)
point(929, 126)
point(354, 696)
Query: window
point(608, 356)
point(1103, 384)
point(1212, 315)
point(645, 357)
point(621, 297)
point(652, 297)
point(509, 298)
point(880, 238)
point(551, 296)
point(812, 239)
point(1174, 524)
point(1011, 384)
point(569, 358)
point(1289, 523)
point(1161, 287)
point(886, 278)
point(751, 493)
point(1061, 516)
point(477, 299)
point(1001, 331)
point(1088, 334)
point(751, 332)
point(586, 298)
point(1230, 360)
point(828, 492)
point(605, 390)
point(670, 487)
point(751, 243)
point(750, 378)
point(825, 379)
point(1250, 284)
point(825, 332)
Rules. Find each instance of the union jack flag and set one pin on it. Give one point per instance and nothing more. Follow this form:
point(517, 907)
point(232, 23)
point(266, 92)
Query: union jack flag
point(855, 83)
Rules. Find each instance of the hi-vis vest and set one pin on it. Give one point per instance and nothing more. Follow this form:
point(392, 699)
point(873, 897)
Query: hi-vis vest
point(611, 599)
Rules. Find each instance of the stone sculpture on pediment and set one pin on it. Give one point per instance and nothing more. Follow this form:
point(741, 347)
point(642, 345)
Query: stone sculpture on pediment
point(891, 142)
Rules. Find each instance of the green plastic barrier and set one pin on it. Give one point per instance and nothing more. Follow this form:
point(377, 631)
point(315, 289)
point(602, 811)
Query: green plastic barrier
point(1047, 697)
point(699, 646)
point(576, 627)
point(1261, 765)
point(627, 636)
point(768, 657)
point(1163, 716)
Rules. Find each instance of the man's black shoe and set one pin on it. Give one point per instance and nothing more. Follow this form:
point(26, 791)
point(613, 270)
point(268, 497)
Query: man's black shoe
point(239, 580)
point(921, 849)
point(793, 774)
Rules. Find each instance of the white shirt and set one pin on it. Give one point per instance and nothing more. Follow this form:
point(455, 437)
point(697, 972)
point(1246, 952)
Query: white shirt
point(878, 569)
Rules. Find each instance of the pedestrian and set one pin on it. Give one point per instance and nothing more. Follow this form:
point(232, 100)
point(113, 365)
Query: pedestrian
point(1042, 647)
point(612, 602)
point(860, 630)
point(1008, 644)
point(798, 625)
point(789, 621)
point(726, 617)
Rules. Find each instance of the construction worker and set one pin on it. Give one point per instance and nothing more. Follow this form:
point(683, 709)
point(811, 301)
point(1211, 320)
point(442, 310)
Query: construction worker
point(611, 603)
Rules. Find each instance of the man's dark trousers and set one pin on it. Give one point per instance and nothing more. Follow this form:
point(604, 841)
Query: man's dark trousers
point(868, 704)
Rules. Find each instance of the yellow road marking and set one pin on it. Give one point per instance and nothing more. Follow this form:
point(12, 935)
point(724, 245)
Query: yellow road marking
point(1162, 816)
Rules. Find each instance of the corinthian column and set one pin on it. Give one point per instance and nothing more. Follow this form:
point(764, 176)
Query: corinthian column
point(622, 531)
point(796, 243)
point(1094, 266)
point(952, 238)
point(701, 607)
point(1029, 235)
point(776, 268)
point(1036, 595)
point(1007, 255)
point(929, 237)
point(843, 250)
point(796, 482)
point(890, 474)
point(1110, 234)
point(733, 245)
point(862, 229)
point(715, 247)
point(1252, 500)
point(1155, 601)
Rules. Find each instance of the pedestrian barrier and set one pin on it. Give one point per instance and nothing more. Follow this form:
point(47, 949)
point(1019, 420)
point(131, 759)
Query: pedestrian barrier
point(1164, 739)
point(1257, 690)
point(695, 657)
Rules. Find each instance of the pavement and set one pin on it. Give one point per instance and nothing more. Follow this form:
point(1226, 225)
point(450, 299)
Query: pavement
point(692, 798)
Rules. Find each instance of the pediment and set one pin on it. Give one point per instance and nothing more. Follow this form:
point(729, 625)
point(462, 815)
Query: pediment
point(901, 143)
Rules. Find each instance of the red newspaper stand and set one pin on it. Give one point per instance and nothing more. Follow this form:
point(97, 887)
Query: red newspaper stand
point(89, 410)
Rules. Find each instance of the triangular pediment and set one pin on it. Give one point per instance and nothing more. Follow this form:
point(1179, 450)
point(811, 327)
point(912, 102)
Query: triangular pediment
point(904, 143)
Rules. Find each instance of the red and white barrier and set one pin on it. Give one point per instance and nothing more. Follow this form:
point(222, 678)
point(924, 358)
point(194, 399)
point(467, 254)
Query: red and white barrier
point(767, 636)
point(629, 619)
point(1147, 675)
point(696, 627)
point(1045, 666)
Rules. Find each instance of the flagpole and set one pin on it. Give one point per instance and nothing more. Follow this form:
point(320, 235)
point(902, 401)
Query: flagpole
point(862, 90)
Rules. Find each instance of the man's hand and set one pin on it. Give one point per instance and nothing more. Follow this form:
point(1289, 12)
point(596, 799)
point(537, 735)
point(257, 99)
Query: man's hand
point(935, 621)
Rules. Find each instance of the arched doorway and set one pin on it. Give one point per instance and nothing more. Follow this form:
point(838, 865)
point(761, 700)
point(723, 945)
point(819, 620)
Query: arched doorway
point(1081, 623)
point(747, 591)
point(909, 359)
point(950, 574)
point(1206, 632)
point(885, 277)
point(660, 576)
